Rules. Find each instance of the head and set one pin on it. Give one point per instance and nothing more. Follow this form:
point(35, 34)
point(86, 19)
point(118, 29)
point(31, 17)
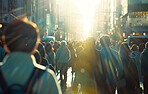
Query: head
point(55, 43)
point(21, 36)
point(49, 47)
point(63, 43)
point(124, 49)
point(70, 45)
point(134, 47)
point(105, 41)
point(90, 43)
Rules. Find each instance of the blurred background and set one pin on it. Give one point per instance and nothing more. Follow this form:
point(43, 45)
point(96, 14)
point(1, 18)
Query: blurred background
point(78, 19)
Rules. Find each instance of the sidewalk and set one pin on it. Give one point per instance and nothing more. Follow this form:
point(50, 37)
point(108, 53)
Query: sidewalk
point(69, 82)
point(69, 91)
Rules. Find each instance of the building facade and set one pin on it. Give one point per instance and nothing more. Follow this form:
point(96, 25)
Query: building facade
point(135, 17)
point(42, 12)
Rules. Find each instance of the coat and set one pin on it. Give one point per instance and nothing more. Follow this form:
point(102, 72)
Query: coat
point(18, 66)
point(111, 54)
point(62, 55)
point(51, 58)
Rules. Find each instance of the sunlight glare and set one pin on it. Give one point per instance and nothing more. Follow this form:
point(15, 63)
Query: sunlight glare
point(86, 8)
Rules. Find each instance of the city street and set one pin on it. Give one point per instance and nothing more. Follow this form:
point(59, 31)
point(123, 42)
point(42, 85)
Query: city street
point(69, 81)
point(105, 41)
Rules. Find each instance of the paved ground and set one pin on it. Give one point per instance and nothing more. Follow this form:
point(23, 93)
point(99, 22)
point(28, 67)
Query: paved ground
point(69, 82)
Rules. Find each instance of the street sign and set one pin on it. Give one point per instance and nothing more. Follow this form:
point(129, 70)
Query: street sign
point(6, 18)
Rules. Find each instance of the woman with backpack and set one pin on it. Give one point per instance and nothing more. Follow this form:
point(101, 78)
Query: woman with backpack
point(19, 71)
point(130, 72)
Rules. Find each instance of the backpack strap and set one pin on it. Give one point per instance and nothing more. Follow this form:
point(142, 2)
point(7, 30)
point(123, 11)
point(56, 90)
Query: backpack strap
point(33, 79)
point(28, 87)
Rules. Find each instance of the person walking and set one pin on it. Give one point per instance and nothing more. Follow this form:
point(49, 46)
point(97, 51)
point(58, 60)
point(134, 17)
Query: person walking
point(132, 85)
point(138, 62)
point(42, 51)
point(73, 57)
point(113, 65)
point(144, 68)
point(19, 67)
point(89, 70)
point(50, 54)
point(134, 50)
point(62, 60)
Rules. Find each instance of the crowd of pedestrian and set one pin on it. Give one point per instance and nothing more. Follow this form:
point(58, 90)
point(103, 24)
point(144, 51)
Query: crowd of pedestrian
point(103, 67)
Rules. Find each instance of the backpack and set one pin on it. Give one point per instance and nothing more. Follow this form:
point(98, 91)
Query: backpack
point(21, 89)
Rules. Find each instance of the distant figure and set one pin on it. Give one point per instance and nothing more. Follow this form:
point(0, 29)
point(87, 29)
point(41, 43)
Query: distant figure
point(144, 68)
point(138, 60)
point(56, 46)
point(39, 60)
point(113, 65)
point(19, 67)
point(132, 85)
point(37, 56)
point(88, 64)
point(50, 54)
point(134, 50)
point(79, 47)
point(62, 60)
point(73, 57)
point(42, 51)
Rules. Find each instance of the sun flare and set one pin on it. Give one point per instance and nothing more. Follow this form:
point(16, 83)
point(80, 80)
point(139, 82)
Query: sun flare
point(86, 9)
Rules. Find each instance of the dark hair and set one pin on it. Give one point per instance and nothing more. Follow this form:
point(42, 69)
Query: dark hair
point(105, 41)
point(70, 46)
point(134, 47)
point(41, 49)
point(37, 56)
point(49, 47)
point(124, 49)
point(21, 36)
